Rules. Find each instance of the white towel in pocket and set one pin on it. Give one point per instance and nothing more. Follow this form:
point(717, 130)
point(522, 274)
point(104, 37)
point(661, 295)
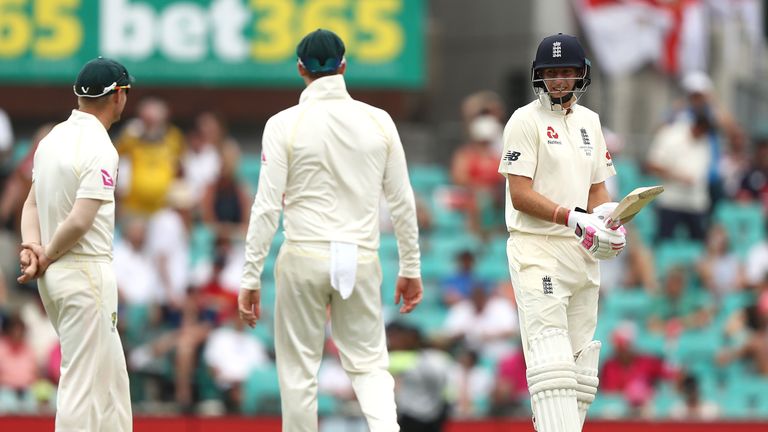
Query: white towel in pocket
point(343, 267)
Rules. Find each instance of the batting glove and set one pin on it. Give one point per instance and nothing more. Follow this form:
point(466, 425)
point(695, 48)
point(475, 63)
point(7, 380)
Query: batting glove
point(592, 235)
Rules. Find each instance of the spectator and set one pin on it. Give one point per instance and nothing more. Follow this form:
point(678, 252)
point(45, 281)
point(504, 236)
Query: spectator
point(41, 336)
point(680, 154)
point(756, 267)
point(136, 275)
point(748, 329)
point(421, 379)
point(474, 170)
point(18, 184)
point(509, 395)
point(699, 98)
point(18, 365)
point(485, 323)
point(231, 353)
point(633, 268)
point(719, 269)
point(223, 278)
point(677, 307)
point(6, 135)
point(692, 407)
point(754, 184)
point(150, 149)
point(471, 386)
point(484, 103)
point(226, 203)
point(168, 244)
point(201, 164)
point(632, 374)
point(457, 287)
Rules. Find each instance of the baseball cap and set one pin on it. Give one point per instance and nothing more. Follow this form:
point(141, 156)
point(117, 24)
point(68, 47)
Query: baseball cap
point(100, 76)
point(696, 82)
point(321, 51)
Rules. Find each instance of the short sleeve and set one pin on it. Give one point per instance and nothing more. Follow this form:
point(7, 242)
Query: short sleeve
point(98, 175)
point(521, 147)
point(603, 167)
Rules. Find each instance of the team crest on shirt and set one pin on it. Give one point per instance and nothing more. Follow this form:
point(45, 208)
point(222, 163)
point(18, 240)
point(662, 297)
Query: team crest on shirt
point(106, 179)
point(546, 284)
point(586, 144)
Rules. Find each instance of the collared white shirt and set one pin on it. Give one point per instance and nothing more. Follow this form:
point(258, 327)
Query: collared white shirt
point(564, 154)
point(677, 150)
point(326, 162)
point(77, 160)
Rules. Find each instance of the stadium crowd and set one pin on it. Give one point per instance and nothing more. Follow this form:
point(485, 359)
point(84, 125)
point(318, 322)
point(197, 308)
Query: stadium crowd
point(683, 313)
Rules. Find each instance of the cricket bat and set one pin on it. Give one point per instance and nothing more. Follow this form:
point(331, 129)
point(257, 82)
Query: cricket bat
point(631, 205)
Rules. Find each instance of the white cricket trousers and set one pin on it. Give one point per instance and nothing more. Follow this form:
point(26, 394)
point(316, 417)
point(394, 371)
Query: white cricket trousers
point(80, 296)
point(556, 285)
point(303, 293)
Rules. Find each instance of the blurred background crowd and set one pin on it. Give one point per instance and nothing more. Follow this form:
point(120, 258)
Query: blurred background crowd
point(682, 92)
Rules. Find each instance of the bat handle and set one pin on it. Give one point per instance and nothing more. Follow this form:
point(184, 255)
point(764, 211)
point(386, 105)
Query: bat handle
point(612, 224)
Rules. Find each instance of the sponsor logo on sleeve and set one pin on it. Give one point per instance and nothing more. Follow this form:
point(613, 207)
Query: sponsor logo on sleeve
point(106, 179)
point(511, 156)
point(609, 160)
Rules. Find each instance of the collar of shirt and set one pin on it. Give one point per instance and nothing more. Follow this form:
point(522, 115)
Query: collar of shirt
point(560, 113)
point(328, 87)
point(78, 115)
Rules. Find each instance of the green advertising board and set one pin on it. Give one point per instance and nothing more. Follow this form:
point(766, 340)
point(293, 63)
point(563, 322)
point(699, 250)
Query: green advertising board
point(215, 42)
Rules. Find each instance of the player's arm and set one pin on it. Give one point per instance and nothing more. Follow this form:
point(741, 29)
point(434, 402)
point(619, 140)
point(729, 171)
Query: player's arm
point(30, 220)
point(74, 227)
point(532, 203)
point(598, 194)
point(402, 205)
point(265, 215)
point(30, 234)
point(265, 212)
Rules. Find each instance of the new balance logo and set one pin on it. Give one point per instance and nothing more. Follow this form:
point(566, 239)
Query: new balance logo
point(546, 283)
point(556, 50)
point(511, 156)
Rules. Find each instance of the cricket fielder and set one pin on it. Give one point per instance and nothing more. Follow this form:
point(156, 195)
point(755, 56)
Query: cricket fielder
point(556, 162)
point(325, 163)
point(67, 226)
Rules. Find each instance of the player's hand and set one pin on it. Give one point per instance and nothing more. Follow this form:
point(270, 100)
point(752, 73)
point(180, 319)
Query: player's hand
point(28, 266)
point(604, 210)
point(249, 306)
point(42, 259)
point(410, 291)
point(599, 241)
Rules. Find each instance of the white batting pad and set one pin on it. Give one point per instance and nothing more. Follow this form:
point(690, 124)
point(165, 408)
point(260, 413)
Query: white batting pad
point(586, 377)
point(552, 382)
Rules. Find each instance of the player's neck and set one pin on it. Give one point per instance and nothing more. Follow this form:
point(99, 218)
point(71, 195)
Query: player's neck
point(104, 118)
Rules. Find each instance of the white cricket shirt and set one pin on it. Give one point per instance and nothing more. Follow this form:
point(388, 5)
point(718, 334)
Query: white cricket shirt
point(564, 154)
point(677, 150)
point(326, 162)
point(77, 160)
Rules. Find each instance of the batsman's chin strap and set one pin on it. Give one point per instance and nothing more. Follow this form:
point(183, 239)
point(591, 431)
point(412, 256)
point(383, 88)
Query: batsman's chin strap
point(561, 100)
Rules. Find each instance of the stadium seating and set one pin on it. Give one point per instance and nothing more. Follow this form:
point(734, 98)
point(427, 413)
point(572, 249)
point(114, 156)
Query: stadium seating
point(744, 222)
point(261, 392)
